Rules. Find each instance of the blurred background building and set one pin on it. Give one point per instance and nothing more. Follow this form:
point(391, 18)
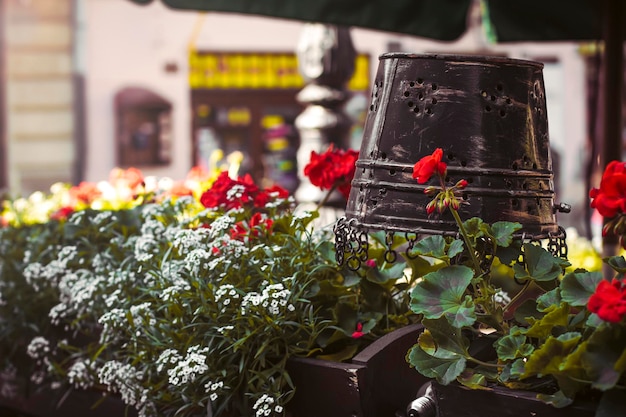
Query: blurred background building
point(88, 85)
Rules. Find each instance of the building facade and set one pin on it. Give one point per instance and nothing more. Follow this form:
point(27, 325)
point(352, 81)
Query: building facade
point(94, 84)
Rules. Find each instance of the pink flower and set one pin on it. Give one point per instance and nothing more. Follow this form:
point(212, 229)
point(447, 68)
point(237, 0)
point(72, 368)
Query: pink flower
point(359, 331)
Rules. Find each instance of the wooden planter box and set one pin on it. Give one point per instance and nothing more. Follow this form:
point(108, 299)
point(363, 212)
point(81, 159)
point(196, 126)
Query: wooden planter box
point(52, 403)
point(378, 382)
point(457, 401)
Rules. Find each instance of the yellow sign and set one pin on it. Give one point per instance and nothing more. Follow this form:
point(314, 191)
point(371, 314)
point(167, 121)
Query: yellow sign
point(258, 71)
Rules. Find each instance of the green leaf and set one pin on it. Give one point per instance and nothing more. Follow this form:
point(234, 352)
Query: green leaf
point(473, 380)
point(527, 309)
point(475, 227)
point(512, 347)
point(511, 253)
point(446, 336)
point(542, 328)
point(502, 232)
point(517, 368)
point(382, 275)
point(557, 400)
point(541, 265)
point(456, 247)
point(605, 357)
point(618, 263)
point(577, 287)
point(434, 246)
point(547, 359)
point(434, 361)
point(421, 266)
point(548, 299)
point(442, 293)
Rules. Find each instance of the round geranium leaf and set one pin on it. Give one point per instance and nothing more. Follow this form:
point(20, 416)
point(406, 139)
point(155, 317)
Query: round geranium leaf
point(503, 232)
point(442, 293)
point(438, 363)
point(577, 287)
point(618, 263)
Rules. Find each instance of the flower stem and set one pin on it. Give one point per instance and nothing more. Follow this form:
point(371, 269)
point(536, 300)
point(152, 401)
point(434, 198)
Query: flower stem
point(517, 296)
point(325, 199)
point(479, 362)
point(470, 248)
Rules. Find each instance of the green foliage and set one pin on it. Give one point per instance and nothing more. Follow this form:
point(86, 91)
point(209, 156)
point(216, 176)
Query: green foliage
point(177, 308)
point(540, 336)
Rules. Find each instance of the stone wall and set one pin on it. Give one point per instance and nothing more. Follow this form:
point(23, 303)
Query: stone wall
point(38, 93)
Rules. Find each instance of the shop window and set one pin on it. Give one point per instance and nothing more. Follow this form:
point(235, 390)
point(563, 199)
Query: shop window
point(144, 132)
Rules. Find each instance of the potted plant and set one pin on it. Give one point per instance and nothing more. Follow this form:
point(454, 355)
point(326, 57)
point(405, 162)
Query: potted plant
point(185, 302)
point(559, 337)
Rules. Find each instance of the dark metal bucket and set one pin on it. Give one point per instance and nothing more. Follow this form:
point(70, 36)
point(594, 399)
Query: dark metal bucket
point(488, 114)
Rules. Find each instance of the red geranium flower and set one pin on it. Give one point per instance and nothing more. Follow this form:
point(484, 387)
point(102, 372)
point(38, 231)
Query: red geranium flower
point(429, 165)
point(263, 197)
point(62, 213)
point(229, 193)
point(610, 198)
point(256, 224)
point(609, 300)
point(333, 168)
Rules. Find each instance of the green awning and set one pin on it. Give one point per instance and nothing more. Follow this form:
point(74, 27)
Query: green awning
point(446, 20)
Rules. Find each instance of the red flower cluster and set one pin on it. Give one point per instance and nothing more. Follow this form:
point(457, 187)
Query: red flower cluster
point(610, 198)
point(609, 300)
point(333, 168)
point(429, 165)
point(230, 194)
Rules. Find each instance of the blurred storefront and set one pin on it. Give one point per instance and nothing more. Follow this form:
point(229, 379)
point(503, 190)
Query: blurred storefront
point(246, 101)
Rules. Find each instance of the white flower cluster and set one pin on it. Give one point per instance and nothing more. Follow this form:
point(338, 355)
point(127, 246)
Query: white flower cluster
point(101, 219)
point(173, 291)
point(221, 225)
point(214, 389)
point(142, 313)
point(67, 254)
point(112, 320)
point(81, 374)
point(197, 260)
point(299, 216)
point(226, 293)
point(264, 406)
point(146, 246)
point(100, 263)
point(185, 240)
point(501, 297)
point(167, 358)
point(78, 290)
point(38, 348)
point(125, 380)
point(232, 247)
point(272, 298)
point(235, 192)
point(39, 276)
point(190, 367)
